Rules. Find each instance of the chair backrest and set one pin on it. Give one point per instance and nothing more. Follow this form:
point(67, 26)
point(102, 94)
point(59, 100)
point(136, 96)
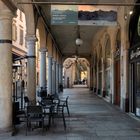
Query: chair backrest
point(46, 101)
point(26, 99)
point(34, 110)
point(67, 99)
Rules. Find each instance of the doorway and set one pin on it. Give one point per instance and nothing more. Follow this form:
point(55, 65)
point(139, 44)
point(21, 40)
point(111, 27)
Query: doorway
point(137, 88)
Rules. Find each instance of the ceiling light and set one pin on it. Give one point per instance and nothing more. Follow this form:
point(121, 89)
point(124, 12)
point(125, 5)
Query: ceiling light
point(79, 41)
point(131, 12)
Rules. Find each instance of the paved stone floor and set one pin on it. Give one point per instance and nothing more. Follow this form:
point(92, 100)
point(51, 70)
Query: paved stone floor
point(91, 118)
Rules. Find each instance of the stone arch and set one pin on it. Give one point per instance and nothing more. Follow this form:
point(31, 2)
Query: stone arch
point(75, 70)
point(117, 47)
point(100, 68)
point(107, 50)
point(100, 57)
point(100, 51)
point(106, 44)
point(134, 30)
point(30, 21)
point(73, 59)
point(85, 57)
point(49, 45)
point(42, 33)
point(107, 65)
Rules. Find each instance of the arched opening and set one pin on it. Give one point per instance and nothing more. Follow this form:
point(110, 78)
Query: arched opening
point(107, 67)
point(75, 72)
point(117, 76)
point(100, 72)
point(41, 49)
point(19, 52)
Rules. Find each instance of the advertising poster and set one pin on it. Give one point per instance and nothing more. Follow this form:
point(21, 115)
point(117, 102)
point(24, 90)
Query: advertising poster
point(83, 15)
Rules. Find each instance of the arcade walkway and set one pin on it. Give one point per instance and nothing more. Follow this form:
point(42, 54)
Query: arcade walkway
point(91, 119)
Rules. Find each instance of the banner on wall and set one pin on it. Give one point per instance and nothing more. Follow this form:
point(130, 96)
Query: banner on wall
point(83, 15)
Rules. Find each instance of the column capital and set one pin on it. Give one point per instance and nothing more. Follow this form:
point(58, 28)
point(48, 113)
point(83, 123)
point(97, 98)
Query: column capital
point(54, 61)
point(49, 56)
point(43, 50)
point(31, 38)
point(57, 63)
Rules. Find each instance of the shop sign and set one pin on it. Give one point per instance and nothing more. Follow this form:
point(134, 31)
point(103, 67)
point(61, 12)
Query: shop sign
point(134, 54)
point(117, 54)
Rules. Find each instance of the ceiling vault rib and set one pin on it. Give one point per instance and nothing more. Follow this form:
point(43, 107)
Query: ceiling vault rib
point(81, 3)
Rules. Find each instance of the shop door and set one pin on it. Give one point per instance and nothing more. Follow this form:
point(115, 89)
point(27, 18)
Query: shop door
point(137, 89)
point(117, 83)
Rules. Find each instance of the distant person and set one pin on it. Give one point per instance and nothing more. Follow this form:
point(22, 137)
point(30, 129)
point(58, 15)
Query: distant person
point(83, 81)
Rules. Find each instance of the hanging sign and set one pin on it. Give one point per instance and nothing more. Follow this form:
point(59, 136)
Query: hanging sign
point(83, 15)
point(64, 14)
point(97, 15)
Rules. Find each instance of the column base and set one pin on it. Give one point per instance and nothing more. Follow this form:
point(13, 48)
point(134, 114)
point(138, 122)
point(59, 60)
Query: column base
point(104, 93)
point(94, 90)
point(91, 88)
point(7, 131)
point(99, 92)
point(110, 96)
point(125, 104)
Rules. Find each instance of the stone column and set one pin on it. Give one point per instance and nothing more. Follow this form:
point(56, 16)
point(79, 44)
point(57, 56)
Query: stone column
point(5, 69)
point(60, 74)
point(49, 82)
point(31, 67)
point(91, 77)
point(112, 78)
point(88, 77)
point(124, 103)
point(43, 68)
point(103, 78)
point(97, 77)
point(57, 77)
point(54, 77)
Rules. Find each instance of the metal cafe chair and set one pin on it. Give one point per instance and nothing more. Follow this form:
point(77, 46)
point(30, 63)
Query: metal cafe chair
point(65, 104)
point(58, 112)
point(34, 117)
point(48, 106)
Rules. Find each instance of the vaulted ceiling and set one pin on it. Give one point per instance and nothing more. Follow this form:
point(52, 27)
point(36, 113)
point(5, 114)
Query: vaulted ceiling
point(65, 35)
